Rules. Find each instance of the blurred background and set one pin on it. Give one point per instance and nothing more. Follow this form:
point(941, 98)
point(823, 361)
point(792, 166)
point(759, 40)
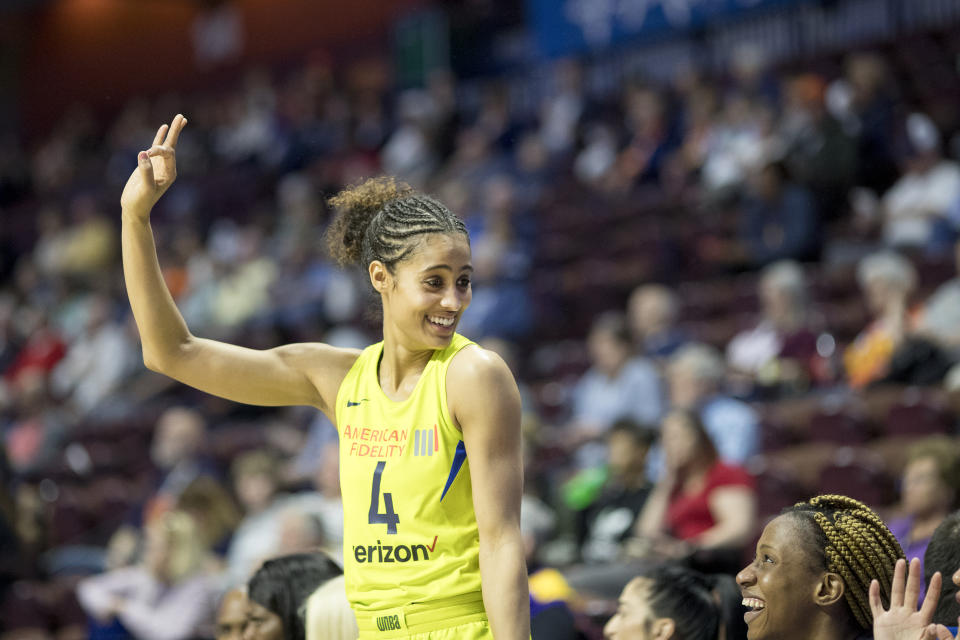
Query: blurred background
point(730, 222)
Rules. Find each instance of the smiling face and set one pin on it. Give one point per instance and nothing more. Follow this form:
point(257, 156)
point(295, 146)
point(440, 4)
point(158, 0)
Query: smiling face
point(780, 585)
point(425, 296)
point(633, 619)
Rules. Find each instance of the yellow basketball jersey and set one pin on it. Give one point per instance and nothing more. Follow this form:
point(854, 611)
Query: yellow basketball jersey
point(410, 533)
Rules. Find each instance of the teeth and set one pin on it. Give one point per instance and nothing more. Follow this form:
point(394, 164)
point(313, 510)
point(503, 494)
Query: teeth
point(754, 603)
point(444, 322)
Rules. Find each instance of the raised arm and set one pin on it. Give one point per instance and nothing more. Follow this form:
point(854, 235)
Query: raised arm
point(300, 374)
point(485, 402)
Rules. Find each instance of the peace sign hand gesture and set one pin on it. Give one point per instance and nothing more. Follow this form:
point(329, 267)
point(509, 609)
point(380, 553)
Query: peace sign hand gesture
point(156, 170)
point(902, 621)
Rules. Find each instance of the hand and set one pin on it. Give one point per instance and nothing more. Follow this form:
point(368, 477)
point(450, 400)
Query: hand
point(902, 621)
point(156, 170)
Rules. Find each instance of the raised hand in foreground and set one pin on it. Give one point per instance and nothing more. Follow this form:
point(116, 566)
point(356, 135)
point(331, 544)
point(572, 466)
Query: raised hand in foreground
point(156, 170)
point(903, 621)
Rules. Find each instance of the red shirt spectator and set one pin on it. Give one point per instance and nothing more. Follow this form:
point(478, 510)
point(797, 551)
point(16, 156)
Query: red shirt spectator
point(688, 514)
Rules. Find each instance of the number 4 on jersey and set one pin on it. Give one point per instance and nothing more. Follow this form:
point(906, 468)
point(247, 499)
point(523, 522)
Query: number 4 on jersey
point(389, 517)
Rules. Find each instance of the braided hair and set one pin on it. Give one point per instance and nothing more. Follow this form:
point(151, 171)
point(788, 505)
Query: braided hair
point(855, 544)
point(379, 219)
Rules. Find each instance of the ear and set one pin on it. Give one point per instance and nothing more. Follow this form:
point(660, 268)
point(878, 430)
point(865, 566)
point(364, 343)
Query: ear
point(379, 276)
point(830, 589)
point(664, 628)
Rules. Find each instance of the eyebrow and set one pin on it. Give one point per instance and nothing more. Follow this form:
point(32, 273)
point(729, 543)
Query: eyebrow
point(446, 267)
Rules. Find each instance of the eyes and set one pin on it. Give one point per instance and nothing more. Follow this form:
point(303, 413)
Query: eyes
point(436, 282)
point(763, 559)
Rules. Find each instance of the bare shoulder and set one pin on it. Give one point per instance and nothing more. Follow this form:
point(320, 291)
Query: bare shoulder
point(475, 364)
point(478, 377)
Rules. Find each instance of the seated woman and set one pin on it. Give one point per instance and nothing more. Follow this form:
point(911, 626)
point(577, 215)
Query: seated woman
point(888, 281)
point(278, 594)
point(780, 352)
point(669, 602)
point(169, 595)
point(930, 488)
point(811, 575)
point(700, 504)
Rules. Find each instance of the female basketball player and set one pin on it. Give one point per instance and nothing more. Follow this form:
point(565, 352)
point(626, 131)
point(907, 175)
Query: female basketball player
point(810, 579)
point(429, 423)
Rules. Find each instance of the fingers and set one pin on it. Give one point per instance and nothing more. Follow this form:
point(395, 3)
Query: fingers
point(145, 167)
point(158, 150)
point(897, 587)
point(941, 632)
point(157, 139)
point(932, 598)
point(914, 582)
point(876, 605)
point(179, 122)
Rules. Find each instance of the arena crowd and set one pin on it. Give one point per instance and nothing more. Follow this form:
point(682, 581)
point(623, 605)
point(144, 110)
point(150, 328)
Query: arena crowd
point(721, 297)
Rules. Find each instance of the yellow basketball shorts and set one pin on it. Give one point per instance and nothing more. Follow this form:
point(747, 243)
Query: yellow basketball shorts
point(456, 618)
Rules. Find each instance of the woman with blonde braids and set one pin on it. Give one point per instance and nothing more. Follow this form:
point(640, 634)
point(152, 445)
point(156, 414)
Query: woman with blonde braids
point(811, 575)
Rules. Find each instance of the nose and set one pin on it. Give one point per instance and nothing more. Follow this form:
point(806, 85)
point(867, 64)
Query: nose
point(451, 300)
point(746, 576)
point(956, 580)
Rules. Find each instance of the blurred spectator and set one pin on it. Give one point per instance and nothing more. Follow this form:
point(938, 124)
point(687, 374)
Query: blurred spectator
point(695, 375)
point(324, 503)
point(781, 348)
point(779, 219)
point(611, 518)
point(168, 596)
point(562, 110)
point(329, 616)
point(256, 483)
point(213, 509)
point(177, 452)
point(940, 317)
point(279, 590)
point(43, 349)
point(930, 488)
point(699, 503)
point(232, 615)
point(83, 249)
point(653, 311)
point(96, 361)
point(918, 202)
point(739, 143)
point(943, 555)
point(299, 531)
point(873, 109)
point(33, 432)
point(820, 154)
point(887, 280)
point(500, 306)
point(649, 135)
point(617, 385)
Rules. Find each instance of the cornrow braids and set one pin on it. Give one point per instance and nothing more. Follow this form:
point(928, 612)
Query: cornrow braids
point(379, 219)
point(856, 545)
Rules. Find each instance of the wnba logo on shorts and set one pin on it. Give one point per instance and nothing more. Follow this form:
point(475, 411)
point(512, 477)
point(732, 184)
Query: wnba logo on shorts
point(426, 441)
point(388, 623)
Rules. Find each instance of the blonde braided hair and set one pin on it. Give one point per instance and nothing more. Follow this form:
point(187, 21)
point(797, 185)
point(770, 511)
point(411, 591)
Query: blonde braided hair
point(856, 545)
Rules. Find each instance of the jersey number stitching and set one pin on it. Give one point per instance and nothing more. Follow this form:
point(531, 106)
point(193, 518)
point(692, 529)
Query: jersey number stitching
point(389, 517)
